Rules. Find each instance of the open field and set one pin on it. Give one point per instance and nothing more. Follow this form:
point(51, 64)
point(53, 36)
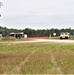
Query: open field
point(36, 58)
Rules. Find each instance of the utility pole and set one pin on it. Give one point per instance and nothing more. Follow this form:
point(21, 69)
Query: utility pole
point(0, 6)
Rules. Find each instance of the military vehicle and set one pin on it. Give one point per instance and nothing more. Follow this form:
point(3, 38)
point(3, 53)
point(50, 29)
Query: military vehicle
point(64, 35)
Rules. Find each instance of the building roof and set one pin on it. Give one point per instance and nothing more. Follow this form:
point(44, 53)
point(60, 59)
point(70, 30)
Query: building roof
point(12, 33)
point(20, 33)
point(17, 33)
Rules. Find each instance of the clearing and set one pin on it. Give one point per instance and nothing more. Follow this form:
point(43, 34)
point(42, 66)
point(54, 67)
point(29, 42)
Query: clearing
point(36, 58)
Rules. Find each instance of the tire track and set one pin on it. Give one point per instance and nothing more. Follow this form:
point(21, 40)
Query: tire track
point(17, 69)
point(55, 64)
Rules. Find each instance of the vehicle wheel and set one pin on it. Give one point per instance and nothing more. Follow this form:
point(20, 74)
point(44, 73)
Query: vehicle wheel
point(66, 37)
point(60, 37)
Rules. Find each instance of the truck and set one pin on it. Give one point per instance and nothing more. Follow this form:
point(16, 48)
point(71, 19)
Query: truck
point(64, 35)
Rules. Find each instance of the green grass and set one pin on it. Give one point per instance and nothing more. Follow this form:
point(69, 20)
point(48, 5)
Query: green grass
point(12, 55)
point(33, 46)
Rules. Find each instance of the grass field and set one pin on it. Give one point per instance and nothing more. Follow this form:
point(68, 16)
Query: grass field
point(37, 58)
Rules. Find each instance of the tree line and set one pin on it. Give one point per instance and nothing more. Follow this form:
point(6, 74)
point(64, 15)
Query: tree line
point(32, 32)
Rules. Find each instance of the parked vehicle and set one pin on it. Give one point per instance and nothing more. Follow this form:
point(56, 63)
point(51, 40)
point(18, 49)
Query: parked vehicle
point(64, 35)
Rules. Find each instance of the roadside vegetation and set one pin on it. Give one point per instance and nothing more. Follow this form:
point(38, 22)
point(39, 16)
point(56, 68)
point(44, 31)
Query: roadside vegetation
point(37, 58)
point(7, 39)
point(35, 33)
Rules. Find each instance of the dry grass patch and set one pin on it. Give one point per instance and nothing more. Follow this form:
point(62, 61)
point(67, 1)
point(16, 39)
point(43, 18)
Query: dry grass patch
point(65, 60)
point(39, 63)
point(8, 60)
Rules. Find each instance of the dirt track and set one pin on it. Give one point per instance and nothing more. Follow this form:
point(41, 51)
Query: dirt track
point(40, 40)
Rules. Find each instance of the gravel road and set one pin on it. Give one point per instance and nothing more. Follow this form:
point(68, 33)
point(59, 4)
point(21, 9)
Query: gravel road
point(41, 40)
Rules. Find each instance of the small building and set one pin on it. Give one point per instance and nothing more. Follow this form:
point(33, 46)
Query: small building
point(17, 35)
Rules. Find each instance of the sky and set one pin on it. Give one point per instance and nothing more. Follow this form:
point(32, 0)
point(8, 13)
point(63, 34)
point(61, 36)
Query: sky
point(37, 14)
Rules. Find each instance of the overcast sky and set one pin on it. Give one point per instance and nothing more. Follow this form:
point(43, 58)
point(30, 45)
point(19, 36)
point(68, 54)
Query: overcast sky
point(37, 14)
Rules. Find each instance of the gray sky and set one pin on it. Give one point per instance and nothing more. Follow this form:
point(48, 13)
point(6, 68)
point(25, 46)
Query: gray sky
point(37, 14)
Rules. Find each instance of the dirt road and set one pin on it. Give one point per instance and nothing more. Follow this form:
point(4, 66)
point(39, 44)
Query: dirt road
point(40, 40)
